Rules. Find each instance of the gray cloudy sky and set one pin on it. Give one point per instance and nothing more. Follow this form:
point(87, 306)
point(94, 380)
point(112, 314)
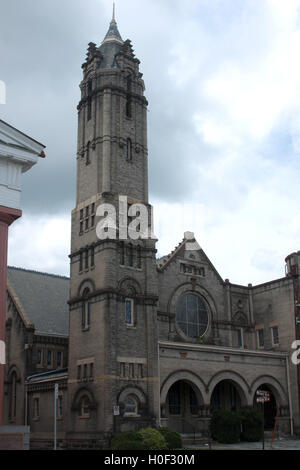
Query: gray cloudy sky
point(223, 84)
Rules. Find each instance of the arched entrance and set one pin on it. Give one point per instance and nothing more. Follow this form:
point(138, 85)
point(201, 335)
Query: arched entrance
point(182, 405)
point(226, 395)
point(269, 407)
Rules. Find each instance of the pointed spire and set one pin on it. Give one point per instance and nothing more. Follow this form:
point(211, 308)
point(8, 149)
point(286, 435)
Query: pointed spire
point(113, 32)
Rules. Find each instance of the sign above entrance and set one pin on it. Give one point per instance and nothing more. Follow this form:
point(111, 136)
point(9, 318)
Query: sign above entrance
point(262, 396)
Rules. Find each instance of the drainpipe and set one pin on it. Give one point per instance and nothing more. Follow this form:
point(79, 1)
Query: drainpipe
point(289, 394)
point(26, 405)
point(158, 384)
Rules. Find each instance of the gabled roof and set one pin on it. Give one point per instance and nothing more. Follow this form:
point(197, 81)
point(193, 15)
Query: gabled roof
point(163, 262)
point(41, 299)
point(188, 242)
point(15, 139)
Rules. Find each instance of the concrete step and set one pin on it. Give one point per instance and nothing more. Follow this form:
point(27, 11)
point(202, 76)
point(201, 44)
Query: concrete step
point(190, 439)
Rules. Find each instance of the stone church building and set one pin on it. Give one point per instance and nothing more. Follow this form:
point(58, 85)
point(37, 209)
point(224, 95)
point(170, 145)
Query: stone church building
point(131, 340)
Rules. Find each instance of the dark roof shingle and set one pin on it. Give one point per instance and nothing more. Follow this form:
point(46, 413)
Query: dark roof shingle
point(44, 299)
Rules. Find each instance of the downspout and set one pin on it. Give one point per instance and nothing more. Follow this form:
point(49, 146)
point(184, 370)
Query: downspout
point(158, 384)
point(26, 405)
point(289, 394)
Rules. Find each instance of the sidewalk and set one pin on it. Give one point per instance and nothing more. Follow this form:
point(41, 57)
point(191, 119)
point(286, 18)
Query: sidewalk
point(278, 444)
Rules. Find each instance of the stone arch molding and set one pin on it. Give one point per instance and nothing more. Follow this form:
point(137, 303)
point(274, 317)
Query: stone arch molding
point(185, 376)
point(188, 287)
point(137, 392)
point(86, 284)
point(237, 379)
point(80, 393)
point(129, 286)
point(205, 390)
point(14, 370)
point(274, 385)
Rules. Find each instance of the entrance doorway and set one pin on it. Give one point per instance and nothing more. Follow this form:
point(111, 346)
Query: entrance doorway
point(269, 407)
point(226, 396)
point(182, 407)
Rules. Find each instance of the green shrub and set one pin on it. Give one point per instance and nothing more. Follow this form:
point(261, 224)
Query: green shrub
point(225, 426)
point(153, 439)
point(129, 440)
point(172, 438)
point(251, 420)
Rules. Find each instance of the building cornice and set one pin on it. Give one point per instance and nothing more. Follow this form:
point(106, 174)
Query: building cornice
point(223, 350)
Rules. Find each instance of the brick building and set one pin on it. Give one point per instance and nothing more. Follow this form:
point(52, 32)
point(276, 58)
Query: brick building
point(150, 341)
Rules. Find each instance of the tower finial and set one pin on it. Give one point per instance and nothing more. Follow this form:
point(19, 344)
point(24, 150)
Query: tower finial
point(113, 33)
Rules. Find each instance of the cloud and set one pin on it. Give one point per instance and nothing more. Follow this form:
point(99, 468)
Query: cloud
point(222, 81)
point(40, 243)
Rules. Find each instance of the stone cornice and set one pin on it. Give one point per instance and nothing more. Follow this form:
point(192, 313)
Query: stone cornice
point(114, 88)
point(223, 350)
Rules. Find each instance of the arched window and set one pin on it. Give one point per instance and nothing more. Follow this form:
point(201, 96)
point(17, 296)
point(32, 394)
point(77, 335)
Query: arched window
point(86, 310)
point(193, 402)
point(175, 399)
point(129, 150)
point(192, 315)
point(89, 100)
point(84, 407)
point(13, 396)
point(139, 256)
point(88, 156)
point(129, 312)
point(128, 96)
point(122, 253)
point(130, 254)
point(131, 406)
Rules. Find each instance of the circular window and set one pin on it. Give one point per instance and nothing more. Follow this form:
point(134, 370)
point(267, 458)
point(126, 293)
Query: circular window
point(192, 315)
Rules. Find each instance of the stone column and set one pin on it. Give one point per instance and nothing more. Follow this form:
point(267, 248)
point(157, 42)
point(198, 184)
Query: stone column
point(7, 217)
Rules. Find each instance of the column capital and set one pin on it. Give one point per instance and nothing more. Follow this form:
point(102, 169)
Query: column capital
point(8, 215)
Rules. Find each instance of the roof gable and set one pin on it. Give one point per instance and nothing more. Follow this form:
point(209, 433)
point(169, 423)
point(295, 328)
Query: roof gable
point(189, 250)
point(42, 299)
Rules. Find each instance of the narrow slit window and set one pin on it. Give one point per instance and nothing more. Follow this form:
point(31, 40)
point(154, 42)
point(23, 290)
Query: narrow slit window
point(92, 256)
point(122, 253)
point(129, 312)
point(128, 97)
point(89, 101)
point(139, 257)
point(88, 156)
point(130, 254)
point(129, 150)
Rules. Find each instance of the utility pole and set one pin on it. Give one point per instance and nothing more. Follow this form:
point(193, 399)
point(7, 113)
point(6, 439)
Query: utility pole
point(55, 408)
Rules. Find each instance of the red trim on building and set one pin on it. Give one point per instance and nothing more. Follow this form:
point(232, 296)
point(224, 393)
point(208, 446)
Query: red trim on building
point(7, 217)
